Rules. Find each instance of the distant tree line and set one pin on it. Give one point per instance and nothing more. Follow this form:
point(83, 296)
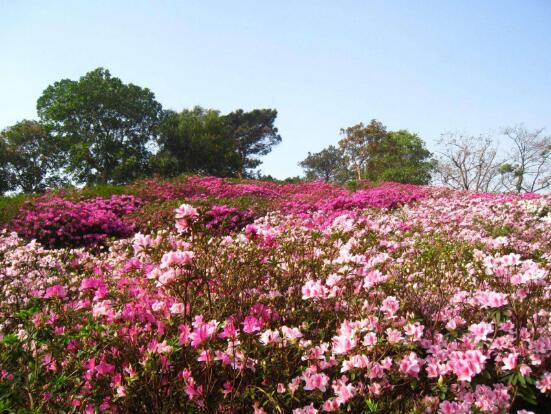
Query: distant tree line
point(370, 152)
point(99, 130)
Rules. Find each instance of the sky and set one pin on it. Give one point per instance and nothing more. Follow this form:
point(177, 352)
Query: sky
point(426, 66)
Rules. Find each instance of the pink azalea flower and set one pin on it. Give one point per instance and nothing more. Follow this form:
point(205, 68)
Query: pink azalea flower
point(56, 291)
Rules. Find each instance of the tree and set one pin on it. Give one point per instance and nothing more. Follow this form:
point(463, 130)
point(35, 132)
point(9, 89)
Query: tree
point(105, 126)
point(254, 134)
point(33, 157)
point(359, 143)
point(468, 163)
point(195, 141)
point(400, 156)
point(5, 174)
point(528, 166)
point(328, 165)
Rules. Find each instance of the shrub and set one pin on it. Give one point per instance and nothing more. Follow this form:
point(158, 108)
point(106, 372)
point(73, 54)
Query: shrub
point(58, 222)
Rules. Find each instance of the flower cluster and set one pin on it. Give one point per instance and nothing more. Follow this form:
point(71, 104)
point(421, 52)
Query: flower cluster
point(58, 222)
point(391, 299)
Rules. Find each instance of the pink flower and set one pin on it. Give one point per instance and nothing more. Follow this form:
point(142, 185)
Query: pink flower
point(251, 324)
point(390, 306)
point(176, 258)
point(309, 409)
point(544, 384)
point(186, 211)
point(343, 391)
point(164, 348)
point(291, 334)
point(370, 339)
point(414, 330)
point(185, 214)
point(177, 308)
point(481, 330)
point(315, 381)
point(313, 289)
point(202, 331)
point(343, 344)
point(91, 283)
point(411, 365)
point(510, 361)
point(394, 336)
point(56, 291)
point(167, 277)
point(269, 337)
point(466, 364)
point(229, 330)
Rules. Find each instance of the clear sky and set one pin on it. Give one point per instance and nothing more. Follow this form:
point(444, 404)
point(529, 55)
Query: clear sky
point(428, 66)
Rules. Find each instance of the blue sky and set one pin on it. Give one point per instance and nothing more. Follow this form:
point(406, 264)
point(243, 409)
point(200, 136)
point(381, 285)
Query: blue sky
point(428, 66)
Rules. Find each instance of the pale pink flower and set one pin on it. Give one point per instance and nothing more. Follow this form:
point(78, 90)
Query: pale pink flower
point(411, 365)
point(390, 306)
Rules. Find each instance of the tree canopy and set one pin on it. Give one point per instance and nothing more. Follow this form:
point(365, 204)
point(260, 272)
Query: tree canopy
point(373, 153)
point(5, 174)
point(327, 165)
point(195, 141)
point(203, 141)
point(358, 144)
point(254, 135)
point(104, 125)
point(400, 156)
point(33, 157)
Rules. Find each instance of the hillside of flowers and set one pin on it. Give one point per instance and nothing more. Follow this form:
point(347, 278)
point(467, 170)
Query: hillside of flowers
point(209, 295)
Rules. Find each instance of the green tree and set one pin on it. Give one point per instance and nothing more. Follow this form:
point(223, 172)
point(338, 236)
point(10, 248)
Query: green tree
point(105, 126)
point(400, 156)
point(328, 165)
point(33, 157)
point(195, 141)
point(359, 143)
point(5, 173)
point(254, 135)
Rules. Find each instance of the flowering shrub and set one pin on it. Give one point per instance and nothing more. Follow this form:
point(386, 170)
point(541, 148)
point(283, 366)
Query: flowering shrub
point(397, 299)
point(58, 222)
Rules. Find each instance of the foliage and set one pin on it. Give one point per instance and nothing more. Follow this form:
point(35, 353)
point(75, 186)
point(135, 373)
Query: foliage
point(195, 141)
point(10, 206)
point(327, 165)
point(400, 156)
point(359, 142)
point(253, 134)
point(104, 126)
point(373, 153)
point(34, 160)
point(5, 173)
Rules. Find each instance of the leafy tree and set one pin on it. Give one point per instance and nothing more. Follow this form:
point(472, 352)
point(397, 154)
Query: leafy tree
point(327, 165)
point(195, 141)
point(359, 143)
point(254, 134)
point(105, 126)
point(5, 174)
point(528, 166)
point(400, 156)
point(33, 157)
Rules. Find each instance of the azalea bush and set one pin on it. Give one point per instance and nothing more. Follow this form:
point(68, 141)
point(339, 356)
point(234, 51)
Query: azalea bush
point(390, 299)
point(59, 222)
